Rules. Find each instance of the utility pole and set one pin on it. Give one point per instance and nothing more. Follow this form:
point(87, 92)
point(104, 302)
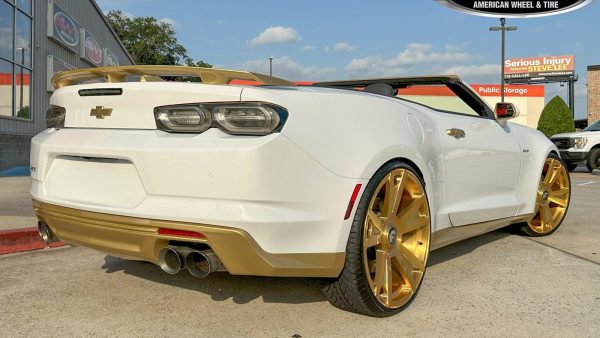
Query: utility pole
point(503, 29)
point(270, 66)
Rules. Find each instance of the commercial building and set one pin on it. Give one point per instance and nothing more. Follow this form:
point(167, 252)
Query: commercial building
point(593, 93)
point(38, 39)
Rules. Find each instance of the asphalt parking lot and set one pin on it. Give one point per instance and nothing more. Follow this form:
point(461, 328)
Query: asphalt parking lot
point(498, 284)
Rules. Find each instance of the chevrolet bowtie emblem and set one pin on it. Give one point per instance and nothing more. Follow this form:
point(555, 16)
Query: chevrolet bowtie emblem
point(100, 112)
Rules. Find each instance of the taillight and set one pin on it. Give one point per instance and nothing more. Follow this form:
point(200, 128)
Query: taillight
point(184, 119)
point(55, 117)
point(243, 118)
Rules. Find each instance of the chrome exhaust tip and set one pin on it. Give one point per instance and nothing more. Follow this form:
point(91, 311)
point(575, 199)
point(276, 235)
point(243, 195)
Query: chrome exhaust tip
point(169, 260)
point(202, 263)
point(46, 234)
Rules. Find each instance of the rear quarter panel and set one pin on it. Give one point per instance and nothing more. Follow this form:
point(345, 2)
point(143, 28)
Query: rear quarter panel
point(353, 133)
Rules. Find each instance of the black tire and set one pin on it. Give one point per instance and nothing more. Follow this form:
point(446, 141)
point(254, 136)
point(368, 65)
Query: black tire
point(571, 166)
point(526, 230)
point(593, 159)
point(351, 291)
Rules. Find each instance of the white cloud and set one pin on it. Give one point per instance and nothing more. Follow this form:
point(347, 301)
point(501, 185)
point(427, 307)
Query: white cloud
point(287, 68)
point(474, 70)
point(415, 54)
point(374, 66)
point(169, 21)
point(344, 47)
point(308, 48)
point(275, 35)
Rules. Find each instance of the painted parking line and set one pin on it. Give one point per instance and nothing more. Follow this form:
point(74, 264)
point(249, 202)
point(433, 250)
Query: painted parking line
point(587, 183)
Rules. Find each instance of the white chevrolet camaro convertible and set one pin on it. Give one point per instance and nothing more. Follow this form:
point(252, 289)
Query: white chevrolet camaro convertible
point(354, 181)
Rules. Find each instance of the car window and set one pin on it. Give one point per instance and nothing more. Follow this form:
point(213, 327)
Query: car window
point(438, 97)
point(593, 127)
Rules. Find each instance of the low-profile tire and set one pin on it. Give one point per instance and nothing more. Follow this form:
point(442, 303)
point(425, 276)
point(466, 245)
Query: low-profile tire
point(593, 159)
point(552, 199)
point(388, 245)
point(571, 166)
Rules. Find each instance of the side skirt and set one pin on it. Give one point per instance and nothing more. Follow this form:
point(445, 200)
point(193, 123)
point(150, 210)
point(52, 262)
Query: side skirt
point(453, 234)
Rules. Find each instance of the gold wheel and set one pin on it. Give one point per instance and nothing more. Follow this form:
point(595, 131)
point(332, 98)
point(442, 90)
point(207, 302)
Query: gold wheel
point(396, 238)
point(553, 197)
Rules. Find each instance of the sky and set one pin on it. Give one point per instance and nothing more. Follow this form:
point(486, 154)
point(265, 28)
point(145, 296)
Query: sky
point(314, 40)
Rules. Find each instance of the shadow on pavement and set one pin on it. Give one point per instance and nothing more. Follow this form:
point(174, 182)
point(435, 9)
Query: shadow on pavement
point(466, 246)
point(222, 286)
point(243, 289)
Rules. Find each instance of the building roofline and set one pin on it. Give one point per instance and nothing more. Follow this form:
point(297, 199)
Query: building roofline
point(593, 67)
point(112, 30)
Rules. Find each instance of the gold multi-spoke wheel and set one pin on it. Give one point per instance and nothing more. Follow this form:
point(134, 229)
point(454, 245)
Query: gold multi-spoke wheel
point(388, 245)
point(553, 197)
point(396, 238)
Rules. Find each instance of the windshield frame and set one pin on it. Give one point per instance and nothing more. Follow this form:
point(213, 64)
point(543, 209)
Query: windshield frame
point(593, 127)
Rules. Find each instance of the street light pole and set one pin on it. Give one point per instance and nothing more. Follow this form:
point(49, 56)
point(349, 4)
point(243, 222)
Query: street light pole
point(23, 50)
point(270, 66)
point(503, 29)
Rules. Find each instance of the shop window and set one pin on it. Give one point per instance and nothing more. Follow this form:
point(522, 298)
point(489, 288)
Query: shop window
point(6, 88)
point(23, 40)
point(16, 64)
point(22, 91)
point(24, 5)
point(6, 30)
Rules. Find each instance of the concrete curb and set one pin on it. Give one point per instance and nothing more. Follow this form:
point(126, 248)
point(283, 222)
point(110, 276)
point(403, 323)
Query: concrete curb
point(22, 240)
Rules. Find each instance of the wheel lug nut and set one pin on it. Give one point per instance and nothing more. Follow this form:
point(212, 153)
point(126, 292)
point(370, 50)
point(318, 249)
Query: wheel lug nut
point(419, 243)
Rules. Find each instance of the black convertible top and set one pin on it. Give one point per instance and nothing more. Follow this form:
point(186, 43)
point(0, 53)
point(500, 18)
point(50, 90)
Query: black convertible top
point(395, 82)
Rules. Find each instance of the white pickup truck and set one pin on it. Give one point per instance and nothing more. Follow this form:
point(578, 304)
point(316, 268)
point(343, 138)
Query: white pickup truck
point(580, 146)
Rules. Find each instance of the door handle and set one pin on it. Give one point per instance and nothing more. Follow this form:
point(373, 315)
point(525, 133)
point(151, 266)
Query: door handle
point(456, 133)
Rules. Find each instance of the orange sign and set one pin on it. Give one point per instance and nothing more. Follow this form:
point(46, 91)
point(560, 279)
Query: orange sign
point(544, 66)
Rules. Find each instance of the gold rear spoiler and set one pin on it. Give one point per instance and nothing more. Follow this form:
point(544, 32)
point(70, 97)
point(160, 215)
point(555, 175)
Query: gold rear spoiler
point(154, 73)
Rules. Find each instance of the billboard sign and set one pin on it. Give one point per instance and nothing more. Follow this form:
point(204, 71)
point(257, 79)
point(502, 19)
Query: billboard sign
point(539, 67)
point(63, 28)
point(91, 50)
point(515, 8)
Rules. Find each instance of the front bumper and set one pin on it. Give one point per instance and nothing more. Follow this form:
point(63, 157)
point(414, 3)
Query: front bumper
point(573, 156)
point(138, 238)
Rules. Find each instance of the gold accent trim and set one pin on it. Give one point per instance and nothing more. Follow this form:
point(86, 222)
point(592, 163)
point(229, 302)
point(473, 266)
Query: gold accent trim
point(453, 234)
point(396, 236)
point(553, 196)
point(151, 73)
point(134, 237)
point(100, 112)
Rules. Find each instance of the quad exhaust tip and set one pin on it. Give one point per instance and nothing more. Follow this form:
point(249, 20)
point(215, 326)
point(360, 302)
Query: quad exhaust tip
point(199, 263)
point(202, 263)
point(169, 260)
point(46, 233)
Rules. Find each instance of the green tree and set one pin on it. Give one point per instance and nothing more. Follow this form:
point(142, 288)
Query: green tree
point(556, 118)
point(149, 41)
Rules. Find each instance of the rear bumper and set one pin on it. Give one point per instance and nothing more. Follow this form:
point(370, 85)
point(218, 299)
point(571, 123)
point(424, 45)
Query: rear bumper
point(138, 238)
point(286, 201)
point(573, 156)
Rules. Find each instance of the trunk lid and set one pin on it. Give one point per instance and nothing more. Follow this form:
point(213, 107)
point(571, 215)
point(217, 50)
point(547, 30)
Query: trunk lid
point(134, 107)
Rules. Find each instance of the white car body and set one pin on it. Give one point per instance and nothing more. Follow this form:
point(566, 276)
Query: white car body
point(288, 190)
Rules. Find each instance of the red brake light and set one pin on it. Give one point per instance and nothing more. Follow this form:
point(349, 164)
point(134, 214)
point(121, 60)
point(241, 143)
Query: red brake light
point(352, 200)
point(183, 233)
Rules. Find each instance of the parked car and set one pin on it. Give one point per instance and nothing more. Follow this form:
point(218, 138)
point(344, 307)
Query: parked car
point(578, 147)
point(353, 181)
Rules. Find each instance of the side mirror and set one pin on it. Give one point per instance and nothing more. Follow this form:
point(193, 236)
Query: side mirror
point(506, 111)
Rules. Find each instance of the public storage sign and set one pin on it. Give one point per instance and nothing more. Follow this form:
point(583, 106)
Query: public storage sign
point(544, 66)
point(515, 8)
